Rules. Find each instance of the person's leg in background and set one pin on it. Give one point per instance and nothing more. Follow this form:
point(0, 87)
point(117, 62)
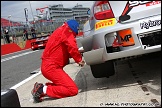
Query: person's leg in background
point(8, 38)
point(33, 36)
point(26, 36)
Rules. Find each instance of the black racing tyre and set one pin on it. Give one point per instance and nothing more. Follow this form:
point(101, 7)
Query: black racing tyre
point(103, 70)
point(9, 98)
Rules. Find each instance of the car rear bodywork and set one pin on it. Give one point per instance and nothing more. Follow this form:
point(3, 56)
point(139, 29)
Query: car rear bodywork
point(39, 42)
point(119, 29)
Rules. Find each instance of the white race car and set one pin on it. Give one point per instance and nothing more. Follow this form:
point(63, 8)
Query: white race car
point(120, 29)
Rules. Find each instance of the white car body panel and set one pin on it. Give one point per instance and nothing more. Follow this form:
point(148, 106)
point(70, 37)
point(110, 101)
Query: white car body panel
point(96, 41)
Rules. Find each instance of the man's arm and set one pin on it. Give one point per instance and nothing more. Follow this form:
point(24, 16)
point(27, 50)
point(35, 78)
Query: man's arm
point(70, 42)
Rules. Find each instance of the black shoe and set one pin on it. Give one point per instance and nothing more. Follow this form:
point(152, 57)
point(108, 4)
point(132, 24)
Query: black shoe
point(37, 92)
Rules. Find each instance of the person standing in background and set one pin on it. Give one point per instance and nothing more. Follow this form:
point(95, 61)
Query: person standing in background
point(25, 33)
point(33, 33)
point(6, 32)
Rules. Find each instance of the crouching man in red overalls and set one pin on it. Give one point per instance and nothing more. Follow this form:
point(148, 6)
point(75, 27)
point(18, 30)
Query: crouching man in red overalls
point(60, 46)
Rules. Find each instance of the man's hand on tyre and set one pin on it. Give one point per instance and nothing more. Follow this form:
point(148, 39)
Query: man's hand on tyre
point(81, 63)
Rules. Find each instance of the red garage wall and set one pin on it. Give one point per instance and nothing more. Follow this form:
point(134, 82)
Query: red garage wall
point(13, 47)
point(9, 48)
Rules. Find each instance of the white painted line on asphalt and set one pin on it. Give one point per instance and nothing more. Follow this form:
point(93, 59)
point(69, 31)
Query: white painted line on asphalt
point(9, 58)
point(26, 80)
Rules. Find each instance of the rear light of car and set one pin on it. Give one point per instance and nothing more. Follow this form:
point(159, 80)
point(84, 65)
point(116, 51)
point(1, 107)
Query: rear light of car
point(102, 10)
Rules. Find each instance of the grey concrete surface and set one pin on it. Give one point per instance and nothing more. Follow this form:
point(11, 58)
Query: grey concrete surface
point(24, 91)
point(120, 90)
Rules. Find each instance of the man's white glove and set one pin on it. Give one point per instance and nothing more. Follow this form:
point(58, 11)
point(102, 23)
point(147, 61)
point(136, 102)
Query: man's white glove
point(81, 63)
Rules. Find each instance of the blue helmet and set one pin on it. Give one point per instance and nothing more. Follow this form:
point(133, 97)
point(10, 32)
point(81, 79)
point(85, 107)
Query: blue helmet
point(74, 25)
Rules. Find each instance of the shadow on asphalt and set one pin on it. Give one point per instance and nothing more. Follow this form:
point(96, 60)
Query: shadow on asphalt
point(86, 82)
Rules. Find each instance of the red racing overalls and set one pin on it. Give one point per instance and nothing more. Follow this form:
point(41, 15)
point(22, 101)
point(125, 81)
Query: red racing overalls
point(60, 46)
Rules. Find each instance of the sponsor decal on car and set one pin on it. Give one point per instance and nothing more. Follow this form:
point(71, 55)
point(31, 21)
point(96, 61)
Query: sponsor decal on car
point(151, 22)
point(105, 23)
point(153, 3)
point(136, 3)
point(129, 6)
point(126, 37)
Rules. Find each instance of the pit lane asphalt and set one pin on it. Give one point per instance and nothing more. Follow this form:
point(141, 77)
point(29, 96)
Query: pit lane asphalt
point(121, 90)
point(17, 69)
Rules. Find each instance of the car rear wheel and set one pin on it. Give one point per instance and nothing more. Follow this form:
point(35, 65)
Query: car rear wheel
point(103, 70)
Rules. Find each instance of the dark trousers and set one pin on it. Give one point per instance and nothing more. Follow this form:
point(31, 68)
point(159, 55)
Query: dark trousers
point(7, 38)
point(26, 35)
point(34, 35)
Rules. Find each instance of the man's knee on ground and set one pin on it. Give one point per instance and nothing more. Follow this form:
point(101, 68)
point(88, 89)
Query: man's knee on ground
point(74, 91)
